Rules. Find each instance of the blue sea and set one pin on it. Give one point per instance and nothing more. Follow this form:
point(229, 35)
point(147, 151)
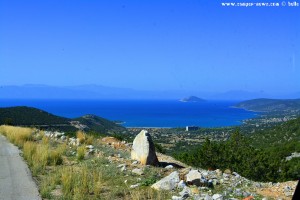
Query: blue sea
point(145, 113)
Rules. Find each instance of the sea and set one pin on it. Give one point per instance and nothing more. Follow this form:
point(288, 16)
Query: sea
point(146, 113)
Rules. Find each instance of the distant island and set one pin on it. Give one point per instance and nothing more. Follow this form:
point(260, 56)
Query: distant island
point(192, 99)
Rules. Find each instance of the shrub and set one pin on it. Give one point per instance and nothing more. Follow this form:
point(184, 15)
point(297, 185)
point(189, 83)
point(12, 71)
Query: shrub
point(81, 136)
point(80, 153)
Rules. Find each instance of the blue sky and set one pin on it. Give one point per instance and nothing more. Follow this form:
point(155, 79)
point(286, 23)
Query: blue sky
point(152, 45)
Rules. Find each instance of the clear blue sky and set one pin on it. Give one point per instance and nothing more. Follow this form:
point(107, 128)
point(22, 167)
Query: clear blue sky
point(185, 45)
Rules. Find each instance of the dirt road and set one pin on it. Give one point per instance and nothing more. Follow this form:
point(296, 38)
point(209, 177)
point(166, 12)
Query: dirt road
point(16, 182)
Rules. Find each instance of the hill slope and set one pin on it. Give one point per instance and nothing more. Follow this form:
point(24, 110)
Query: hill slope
point(287, 133)
point(99, 124)
point(28, 116)
point(271, 105)
point(23, 115)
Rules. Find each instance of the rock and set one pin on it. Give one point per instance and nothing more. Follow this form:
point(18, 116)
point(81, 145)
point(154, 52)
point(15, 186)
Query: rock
point(227, 171)
point(185, 193)
point(135, 162)
point(135, 186)
point(219, 172)
point(217, 197)
point(89, 147)
point(205, 174)
point(226, 176)
point(167, 183)
point(169, 167)
point(288, 191)
point(123, 168)
point(207, 197)
point(246, 194)
point(181, 184)
point(193, 177)
point(143, 149)
point(176, 198)
point(121, 165)
point(236, 175)
point(238, 192)
point(138, 171)
point(210, 183)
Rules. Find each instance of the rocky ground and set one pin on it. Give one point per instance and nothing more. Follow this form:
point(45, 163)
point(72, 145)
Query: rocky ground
point(186, 182)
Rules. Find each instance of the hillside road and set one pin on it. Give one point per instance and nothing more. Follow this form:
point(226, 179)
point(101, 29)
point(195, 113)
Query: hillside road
point(16, 182)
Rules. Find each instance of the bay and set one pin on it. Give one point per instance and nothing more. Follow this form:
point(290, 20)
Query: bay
point(145, 113)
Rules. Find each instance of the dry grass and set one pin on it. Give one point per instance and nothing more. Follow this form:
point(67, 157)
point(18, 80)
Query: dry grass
point(89, 139)
point(80, 153)
point(93, 178)
point(17, 135)
point(81, 136)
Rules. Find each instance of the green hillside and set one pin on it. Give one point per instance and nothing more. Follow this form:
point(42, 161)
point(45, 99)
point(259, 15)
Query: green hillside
point(99, 124)
point(271, 105)
point(28, 116)
point(261, 156)
point(22, 115)
point(278, 136)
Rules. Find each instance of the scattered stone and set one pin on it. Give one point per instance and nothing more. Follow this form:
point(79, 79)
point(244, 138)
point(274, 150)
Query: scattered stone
point(185, 193)
point(134, 186)
point(227, 171)
point(176, 198)
point(121, 165)
point(193, 177)
point(217, 197)
point(219, 172)
point(89, 147)
point(143, 149)
point(138, 171)
point(236, 174)
point(207, 197)
point(167, 183)
point(169, 167)
point(135, 162)
point(181, 184)
point(288, 191)
point(123, 169)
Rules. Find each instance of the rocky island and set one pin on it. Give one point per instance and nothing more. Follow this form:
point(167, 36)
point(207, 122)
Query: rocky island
point(192, 99)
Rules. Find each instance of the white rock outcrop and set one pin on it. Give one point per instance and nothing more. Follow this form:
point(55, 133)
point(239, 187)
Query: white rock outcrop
point(143, 149)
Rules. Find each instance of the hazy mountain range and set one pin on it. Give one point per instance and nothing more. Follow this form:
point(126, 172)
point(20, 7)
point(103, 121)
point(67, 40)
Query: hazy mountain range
point(32, 91)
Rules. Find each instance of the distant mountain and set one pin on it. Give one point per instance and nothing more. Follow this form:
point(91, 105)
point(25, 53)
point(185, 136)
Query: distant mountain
point(240, 95)
point(270, 105)
point(192, 99)
point(34, 91)
point(28, 116)
point(84, 92)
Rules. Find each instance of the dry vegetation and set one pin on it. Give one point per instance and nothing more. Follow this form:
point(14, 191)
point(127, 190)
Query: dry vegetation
point(66, 172)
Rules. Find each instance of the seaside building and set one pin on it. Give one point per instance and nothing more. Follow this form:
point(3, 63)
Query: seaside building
point(191, 128)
